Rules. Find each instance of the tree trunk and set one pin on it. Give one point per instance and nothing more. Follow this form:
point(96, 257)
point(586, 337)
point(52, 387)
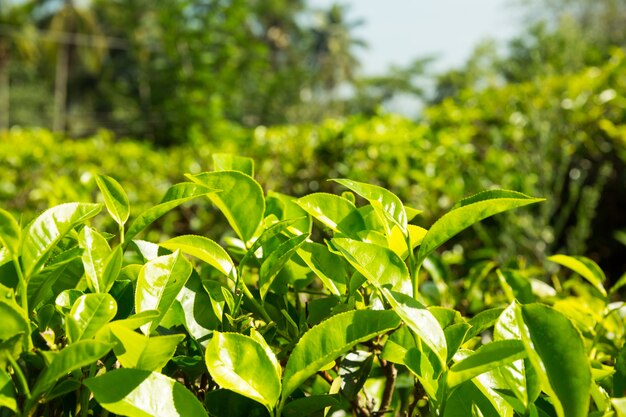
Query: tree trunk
point(60, 88)
point(5, 85)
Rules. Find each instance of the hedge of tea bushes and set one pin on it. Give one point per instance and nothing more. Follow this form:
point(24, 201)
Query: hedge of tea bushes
point(560, 137)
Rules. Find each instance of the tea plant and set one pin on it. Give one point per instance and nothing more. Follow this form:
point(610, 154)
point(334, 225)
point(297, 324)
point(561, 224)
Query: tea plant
point(321, 305)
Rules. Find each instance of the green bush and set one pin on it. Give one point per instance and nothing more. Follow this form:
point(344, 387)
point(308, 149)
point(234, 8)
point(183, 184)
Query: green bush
point(311, 305)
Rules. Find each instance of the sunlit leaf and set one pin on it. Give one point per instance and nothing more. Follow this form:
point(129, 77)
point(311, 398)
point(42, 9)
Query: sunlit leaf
point(330, 339)
point(45, 231)
point(229, 162)
point(469, 211)
point(240, 199)
point(139, 393)
point(10, 232)
point(158, 284)
point(141, 352)
point(204, 249)
point(243, 365)
point(89, 314)
point(176, 195)
point(584, 267)
point(486, 358)
point(276, 260)
point(334, 212)
point(115, 198)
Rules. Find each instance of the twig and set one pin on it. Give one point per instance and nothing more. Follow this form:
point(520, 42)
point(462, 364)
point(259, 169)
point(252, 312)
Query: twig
point(391, 374)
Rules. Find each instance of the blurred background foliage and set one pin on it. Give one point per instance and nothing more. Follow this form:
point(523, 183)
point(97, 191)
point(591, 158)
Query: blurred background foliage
point(280, 82)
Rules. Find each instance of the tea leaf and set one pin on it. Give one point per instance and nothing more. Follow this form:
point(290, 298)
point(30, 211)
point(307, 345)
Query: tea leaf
point(158, 284)
point(96, 251)
point(469, 211)
point(229, 162)
point(584, 267)
point(46, 230)
point(139, 393)
point(330, 339)
point(240, 199)
point(89, 314)
point(243, 365)
point(334, 212)
point(141, 352)
point(204, 249)
point(115, 198)
point(276, 261)
point(10, 232)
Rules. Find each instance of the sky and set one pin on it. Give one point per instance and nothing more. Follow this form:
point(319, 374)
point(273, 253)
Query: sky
point(398, 31)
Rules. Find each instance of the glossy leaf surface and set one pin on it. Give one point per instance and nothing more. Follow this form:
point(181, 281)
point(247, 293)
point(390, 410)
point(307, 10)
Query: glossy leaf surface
point(115, 198)
point(96, 252)
point(141, 352)
point(139, 393)
point(46, 230)
point(229, 162)
point(333, 211)
point(564, 364)
point(69, 359)
point(240, 199)
point(390, 205)
point(88, 315)
point(175, 196)
point(486, 358)
point(243, 365)
point(276, 261)
point(158, 284)
point(469, 211)
point(10, 232)
point(204, 249)
point(381, 266)
point(332, 338)
point(584, 267)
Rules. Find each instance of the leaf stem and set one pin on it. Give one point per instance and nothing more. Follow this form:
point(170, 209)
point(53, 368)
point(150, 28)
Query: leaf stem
point(20, 375)
point(23, 302)
point(255, 303)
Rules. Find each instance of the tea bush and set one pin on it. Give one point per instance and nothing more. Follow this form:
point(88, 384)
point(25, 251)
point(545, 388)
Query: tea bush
point(320, 305)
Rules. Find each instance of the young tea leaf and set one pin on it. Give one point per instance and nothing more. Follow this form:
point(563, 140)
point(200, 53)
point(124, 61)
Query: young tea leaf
point(89, 314)
point(243, 365)
point(276, 261)
point(10, 232)
point(139, 393)
point(469, 211)
point(558, 355)
point(137, 351)
point(175, 196)
point(330, 339)
point(115, 198)
point(240, 199)
point(204, 249)
point(334, 212)
point(584, 267)
point(158, 284)
point(486, 358)
point(96, 251)
point(389, 205)
point(46, 230)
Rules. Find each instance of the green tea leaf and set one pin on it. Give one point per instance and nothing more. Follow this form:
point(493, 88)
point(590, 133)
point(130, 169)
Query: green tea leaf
point(584, 267)
point(7, 392)
point(89, 314)
point(229, 162)
point(486, 358)
point(46, 230)
point(243, 365)
point(115, 198)
point(276, 261)
point(139, 393)
point(204, 249)
point(307, 406)
point(10, 233)
point(380, 265)
point(240, 199)
point(175, 196)
point(331, 339)
point(70, 358)
point(334, 212)
point(13, 320)
point(284, 207)
point(158, 284)
point(328, 267)
point(421, 322)
point(455, 335)
point(482, 321)
point(112, 268)
point(558, 355)
point(388, 203)
point(619, 378)
point(142, 352)
point(96, 251)
point(469, 211)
